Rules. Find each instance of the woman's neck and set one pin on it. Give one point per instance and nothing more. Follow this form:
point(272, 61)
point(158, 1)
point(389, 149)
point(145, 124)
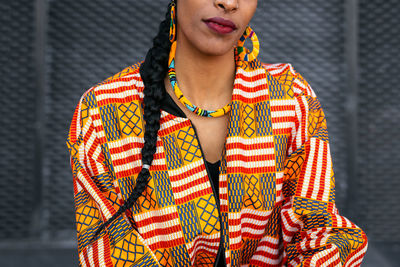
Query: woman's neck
point(207, 81)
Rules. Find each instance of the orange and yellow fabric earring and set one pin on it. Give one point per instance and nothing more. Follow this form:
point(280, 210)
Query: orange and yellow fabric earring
point(172, 27)
point(241, 50)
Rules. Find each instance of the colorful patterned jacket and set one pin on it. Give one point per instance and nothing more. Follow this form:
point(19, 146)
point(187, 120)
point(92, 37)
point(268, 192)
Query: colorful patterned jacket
point(276, 183)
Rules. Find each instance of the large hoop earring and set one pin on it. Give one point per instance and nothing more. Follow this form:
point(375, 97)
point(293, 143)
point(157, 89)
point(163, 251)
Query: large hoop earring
point(172, 27)
point(242, 51)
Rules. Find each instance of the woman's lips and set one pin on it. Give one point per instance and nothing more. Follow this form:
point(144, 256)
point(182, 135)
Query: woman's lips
point(220, 25)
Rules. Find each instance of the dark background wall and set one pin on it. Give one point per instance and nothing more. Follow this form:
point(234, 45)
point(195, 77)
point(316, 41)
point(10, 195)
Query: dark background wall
point(52, 51)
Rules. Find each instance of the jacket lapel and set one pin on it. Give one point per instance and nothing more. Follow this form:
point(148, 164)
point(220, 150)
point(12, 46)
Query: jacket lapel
point(248, 179)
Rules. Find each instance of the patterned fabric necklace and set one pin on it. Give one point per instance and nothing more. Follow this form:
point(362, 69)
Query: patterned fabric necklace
point(198, 111)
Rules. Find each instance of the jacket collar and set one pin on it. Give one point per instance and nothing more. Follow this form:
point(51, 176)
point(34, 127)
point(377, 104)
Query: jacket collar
point(248, 76)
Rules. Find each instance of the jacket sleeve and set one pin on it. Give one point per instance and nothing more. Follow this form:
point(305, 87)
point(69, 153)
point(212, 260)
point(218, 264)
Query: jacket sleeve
point(96, 200)
point(314, 234)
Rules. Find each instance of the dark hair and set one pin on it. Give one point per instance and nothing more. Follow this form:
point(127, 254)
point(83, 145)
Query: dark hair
point(152, 71)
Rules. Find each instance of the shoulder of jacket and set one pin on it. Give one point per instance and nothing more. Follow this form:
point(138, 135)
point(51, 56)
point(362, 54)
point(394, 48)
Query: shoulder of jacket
point(285, 74)
point(115, 86)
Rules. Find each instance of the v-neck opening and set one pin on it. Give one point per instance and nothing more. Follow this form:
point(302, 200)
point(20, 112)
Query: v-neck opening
point(213, 163)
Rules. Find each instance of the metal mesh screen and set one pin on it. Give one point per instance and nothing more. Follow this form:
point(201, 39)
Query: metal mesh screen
point(379, 119)
point(17, 119)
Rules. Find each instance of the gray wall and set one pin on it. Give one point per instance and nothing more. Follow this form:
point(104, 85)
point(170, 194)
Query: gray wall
point(52, 51)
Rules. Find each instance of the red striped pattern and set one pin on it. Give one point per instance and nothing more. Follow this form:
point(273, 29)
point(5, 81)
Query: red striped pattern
point(278, 69)
point(118, 91)
point(160, 228)
point(282, 116)
point(267, 253)
point(253, 223)
point(170, 125)
point(196, 182)
point(206, 244)
point(291, 224)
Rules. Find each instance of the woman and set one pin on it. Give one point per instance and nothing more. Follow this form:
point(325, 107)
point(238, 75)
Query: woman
point(202, 155)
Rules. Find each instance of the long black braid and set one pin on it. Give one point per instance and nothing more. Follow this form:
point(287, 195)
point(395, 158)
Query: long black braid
point(152, 71)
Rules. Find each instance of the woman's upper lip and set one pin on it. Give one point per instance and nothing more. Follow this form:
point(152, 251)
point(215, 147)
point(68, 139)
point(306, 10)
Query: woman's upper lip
point(222, 21)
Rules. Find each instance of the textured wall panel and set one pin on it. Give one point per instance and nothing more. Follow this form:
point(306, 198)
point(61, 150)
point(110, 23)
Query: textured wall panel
point(379, 119)
point(17, 118)
point(310, 35)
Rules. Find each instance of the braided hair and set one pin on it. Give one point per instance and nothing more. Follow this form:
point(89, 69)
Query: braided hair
point(152, 71)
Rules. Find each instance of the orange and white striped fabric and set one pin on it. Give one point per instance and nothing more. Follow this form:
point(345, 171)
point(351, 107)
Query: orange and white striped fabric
point(276, 185)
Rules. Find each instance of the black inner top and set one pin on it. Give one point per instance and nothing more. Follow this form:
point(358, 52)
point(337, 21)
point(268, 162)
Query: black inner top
point(169, 105)
point(214, 172)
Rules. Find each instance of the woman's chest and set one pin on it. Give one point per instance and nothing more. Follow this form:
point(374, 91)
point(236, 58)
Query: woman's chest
point(178, 208)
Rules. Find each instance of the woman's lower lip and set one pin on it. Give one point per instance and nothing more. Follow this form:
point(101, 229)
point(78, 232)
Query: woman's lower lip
point(218, 27)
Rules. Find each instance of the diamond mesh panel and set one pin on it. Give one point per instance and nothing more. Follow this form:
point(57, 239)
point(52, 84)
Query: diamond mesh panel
point(17, 118)
point(379, 119)
point(310, 35)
